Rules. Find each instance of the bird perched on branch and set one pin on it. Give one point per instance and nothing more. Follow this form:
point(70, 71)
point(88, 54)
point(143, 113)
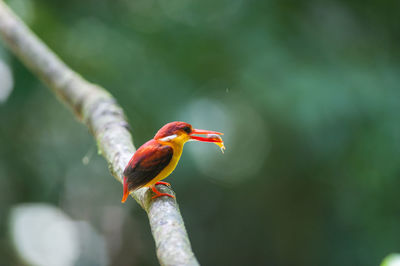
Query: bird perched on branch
point(157, 158)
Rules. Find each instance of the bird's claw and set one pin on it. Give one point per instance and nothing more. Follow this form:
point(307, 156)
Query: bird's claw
point(158, 193)
point(163, 183)
point(163, 194)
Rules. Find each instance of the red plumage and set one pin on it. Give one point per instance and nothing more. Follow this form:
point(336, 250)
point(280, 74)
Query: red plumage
point(147, 162)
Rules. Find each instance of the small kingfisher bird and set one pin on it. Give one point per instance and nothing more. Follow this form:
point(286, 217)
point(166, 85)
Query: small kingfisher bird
point(157, 158)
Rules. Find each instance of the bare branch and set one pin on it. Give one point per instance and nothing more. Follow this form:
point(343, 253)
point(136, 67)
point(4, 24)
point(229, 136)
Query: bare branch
point(95, 107)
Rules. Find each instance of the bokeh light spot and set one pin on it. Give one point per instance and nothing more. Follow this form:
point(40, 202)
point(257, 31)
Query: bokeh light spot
point(246, 139)
point(391, 260)
point(44, 235)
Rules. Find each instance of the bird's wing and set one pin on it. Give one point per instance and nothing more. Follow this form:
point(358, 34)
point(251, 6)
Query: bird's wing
point(148, 161)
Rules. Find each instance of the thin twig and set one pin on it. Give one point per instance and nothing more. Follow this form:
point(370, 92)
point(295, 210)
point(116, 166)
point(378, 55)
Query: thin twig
point(95, 107)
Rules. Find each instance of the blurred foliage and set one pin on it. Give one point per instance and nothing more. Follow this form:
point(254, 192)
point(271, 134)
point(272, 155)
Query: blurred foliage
point(307, 93)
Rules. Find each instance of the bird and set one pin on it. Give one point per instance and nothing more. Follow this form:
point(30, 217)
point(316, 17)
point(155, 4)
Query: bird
point(158, 157)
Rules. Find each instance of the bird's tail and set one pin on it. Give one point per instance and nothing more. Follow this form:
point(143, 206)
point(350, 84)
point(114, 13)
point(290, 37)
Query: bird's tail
point(126, 191)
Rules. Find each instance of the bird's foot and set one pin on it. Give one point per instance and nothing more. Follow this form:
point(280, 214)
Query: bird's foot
point(159, 194)
point(163, 183)
point(163, 194)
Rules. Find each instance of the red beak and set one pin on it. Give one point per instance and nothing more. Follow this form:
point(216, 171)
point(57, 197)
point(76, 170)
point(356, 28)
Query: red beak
point(205, 139)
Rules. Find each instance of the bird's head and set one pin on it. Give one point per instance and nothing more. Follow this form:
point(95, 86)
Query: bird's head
point(181, 132)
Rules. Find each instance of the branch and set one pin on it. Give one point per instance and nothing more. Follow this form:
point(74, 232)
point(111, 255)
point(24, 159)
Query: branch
point(96, 108)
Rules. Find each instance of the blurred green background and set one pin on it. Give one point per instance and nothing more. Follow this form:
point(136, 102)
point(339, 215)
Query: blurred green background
point(306, 92)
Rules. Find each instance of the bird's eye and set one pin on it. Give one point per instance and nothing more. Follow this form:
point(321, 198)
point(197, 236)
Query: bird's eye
point(187, 130)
